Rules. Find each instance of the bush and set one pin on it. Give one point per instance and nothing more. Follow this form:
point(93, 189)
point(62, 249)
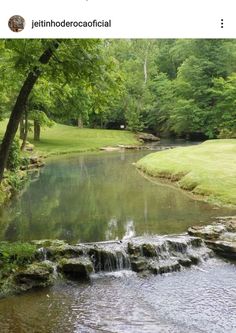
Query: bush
point(14, 159)
point(15, 254)
point(25, 161)
point(15, 181)
point(227, 134)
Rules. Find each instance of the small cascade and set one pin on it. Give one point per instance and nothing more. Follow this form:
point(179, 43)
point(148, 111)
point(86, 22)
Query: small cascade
point(143, 255)
point(53, 265)
point(149, 254)
point(42, 251)
point(108, 257)
point(163, 254)
point(43, 254)
point(155, 254)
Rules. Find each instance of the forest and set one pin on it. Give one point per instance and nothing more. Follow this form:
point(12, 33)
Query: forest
point(184, 88)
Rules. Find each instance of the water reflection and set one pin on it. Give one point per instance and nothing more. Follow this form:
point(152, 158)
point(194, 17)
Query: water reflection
point(129, 230)
point(111, 229)
point(93, 197)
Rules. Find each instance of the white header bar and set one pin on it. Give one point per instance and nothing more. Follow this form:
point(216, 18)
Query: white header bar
point(124, 18)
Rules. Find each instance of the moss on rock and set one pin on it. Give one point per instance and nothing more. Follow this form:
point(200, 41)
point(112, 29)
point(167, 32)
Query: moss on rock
point(34, 276)
point(76, 268)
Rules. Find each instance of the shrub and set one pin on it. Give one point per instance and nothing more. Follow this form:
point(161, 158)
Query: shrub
point(15, 181)
point(227, 134)
point(14, 159)
point(15, 254)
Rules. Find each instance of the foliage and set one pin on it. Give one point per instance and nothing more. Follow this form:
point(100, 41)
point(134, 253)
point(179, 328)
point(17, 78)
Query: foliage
point(178, 87)
point(133, 117)
point(41, 118)
point(14, 159)
point(15, 254)
point(227, 134)
point(16, 181)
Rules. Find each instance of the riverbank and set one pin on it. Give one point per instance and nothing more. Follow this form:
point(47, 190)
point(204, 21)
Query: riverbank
point(17, 175)
point(63, 139)
point(206, 170)
point(12, 183)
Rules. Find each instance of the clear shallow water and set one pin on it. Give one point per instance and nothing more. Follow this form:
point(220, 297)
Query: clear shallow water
point(100, 196)
point(193, 301)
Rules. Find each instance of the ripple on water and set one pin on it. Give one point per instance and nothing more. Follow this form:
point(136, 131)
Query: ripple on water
point(189, 301)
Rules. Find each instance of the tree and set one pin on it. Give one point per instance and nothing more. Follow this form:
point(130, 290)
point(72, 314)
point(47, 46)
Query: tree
point(223, 115)
point(178, 87)
point(75, 58)
point(20, 104)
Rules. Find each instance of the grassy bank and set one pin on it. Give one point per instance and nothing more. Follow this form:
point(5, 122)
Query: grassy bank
point(62, 139)
point(208, 169)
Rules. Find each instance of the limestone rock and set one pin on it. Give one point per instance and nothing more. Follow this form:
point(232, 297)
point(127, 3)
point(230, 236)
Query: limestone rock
point(49, 242)
point(149, 250)
point(109, 148)
point(144, 249)
point(29, 146)
point(65, 251)
point(55, 249)
point(229, 222)
point(163, 254)
point(131, 147)
point(164, 267)
point(223, 248)
point(34, 275)
point(185, 262)
point(139, 265)
point(147, 137)
point(210, 232)
point(76, 268)
point(219, 236)
point(133, 249)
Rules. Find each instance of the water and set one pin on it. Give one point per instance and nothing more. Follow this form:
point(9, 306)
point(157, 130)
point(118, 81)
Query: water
point(100, 196)
point(193, 301)
point(157, 254)
point(97, 197)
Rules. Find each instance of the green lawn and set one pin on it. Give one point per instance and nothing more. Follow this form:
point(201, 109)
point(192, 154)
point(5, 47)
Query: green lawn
point(61, 139)
point(208, 169)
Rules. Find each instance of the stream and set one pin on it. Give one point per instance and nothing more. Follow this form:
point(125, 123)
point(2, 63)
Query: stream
point(201, 299)
point(101, 196)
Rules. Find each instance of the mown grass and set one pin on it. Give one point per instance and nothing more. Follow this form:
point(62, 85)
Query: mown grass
point(208, 169)
point(62, 139)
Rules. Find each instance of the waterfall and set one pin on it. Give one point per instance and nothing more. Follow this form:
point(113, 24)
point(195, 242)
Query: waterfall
point(162, 254)
point(108, 258)
point(156, 254)
point(42, 251)
point(43, 254)
point(143, 255)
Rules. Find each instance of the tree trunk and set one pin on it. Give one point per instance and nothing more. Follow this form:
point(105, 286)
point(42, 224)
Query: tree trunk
point(25, 130)
point(20, 104)
point(80, 122)
point(36, 130)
